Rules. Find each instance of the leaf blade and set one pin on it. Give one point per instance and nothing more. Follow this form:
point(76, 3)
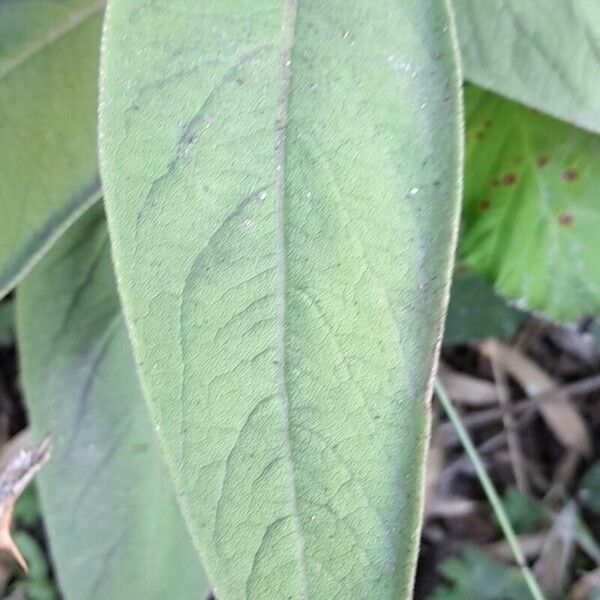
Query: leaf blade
point(106, 496)
point(48, 66)
point(545, 56)
point(268, 186)
point(530, 217)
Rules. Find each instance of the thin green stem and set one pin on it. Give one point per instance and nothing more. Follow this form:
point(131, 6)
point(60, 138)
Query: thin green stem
point(490, 491)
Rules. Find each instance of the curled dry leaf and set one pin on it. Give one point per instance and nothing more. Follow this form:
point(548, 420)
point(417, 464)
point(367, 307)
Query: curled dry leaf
point(560, 415)
point(466, 389)
point(22, 460)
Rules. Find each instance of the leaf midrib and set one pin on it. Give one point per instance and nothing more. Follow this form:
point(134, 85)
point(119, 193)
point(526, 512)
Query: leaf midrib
point(285, 56)
point(72, 21)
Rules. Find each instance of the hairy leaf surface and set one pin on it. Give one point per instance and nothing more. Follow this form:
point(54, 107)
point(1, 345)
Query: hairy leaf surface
point(545, 54)
point(283, 223)
point(531, 217)
point(48, 72)
point(114, 527)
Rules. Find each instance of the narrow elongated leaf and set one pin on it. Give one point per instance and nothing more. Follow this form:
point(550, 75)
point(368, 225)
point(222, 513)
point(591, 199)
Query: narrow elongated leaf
point(114, 527)
point(545, 54)
point(531, 206)
point(282, 191)
point(48, 173)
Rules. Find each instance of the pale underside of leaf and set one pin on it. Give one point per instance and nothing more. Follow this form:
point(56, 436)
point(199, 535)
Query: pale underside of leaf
point(115, 530)
point(287, 39)
point(48, 70)
point(282, 243)
point(40, 37)
point(543, 54)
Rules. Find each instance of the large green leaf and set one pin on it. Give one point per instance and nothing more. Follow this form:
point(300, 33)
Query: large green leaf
point(48, 173)
point(476, 312)
point(6, 322)
point(543, 53)
point(114, 527)
point(531, 210)
point(282, 192)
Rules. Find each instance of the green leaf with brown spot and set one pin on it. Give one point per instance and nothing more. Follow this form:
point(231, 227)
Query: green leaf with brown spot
point(114, 526)
point(48, 72)
point(543, 53)
point(283, 226)
point(531, 217)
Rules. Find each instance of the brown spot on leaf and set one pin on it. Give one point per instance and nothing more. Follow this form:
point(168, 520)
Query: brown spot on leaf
point(487, 124)
point(542, 161)
point(480, 135)
point(566, 219)
point(570, 175)
point(509, 179)
point(485, 203)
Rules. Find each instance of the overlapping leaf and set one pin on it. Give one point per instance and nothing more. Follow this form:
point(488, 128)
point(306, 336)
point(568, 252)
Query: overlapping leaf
point(48, 71)
point(114, 527)
point(531, 217)
point(476, 312)
point(282, 222)
point(543, 54)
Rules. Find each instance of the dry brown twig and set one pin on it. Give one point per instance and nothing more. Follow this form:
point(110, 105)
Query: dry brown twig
point(586, 385)
point(551, 568)
point(514, 443)
point(436, 458)
point(21, 460)
point(560, 416)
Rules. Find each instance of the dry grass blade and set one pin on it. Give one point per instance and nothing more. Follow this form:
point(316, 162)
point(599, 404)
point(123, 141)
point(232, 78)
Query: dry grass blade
point(585, 587)
point(490, 491)
point(564, 473)
point(490, 415)
point(436, 457)
point(450, 507)
point(531, 545)
point(514, 444)
point(560, 415)
point(466, 389)
point(551, 568)
point(21, 461)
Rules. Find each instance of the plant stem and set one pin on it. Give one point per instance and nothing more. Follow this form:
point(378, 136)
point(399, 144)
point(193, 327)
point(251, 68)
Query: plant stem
point(490, 491)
